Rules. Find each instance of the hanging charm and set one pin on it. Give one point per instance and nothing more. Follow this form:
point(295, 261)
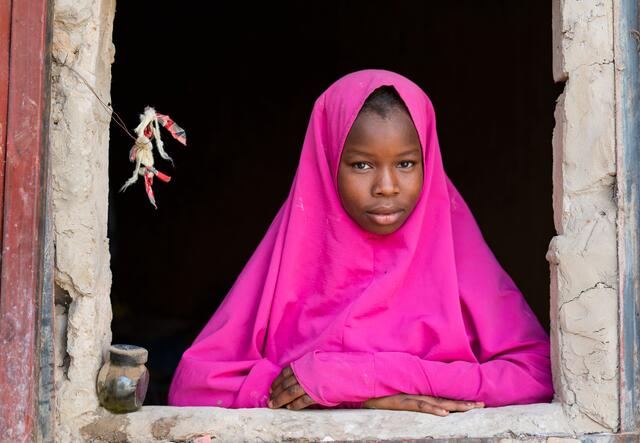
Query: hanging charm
point(148, 132)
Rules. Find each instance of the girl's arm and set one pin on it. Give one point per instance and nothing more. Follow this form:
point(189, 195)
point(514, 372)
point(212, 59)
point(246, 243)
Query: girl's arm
point(229, 384)
point(333, 377)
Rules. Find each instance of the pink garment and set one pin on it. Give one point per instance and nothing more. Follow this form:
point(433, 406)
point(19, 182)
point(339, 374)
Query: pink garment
point(425, 310)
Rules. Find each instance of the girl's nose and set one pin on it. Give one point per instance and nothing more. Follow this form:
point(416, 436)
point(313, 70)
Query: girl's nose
point(386, 184)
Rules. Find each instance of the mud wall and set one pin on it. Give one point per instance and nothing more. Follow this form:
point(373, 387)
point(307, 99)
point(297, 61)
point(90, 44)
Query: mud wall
point(583, 256)
point(79, 144)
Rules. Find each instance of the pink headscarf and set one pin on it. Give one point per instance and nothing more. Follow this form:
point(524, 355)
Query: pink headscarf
point(424, 310)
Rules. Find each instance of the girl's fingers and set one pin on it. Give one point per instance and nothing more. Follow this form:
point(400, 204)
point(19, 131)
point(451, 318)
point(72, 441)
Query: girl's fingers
point(455, 405)
point(422, 403)
point(286, 372)
point(300, 403)
point(287, 396)
point(286, 383)
point(402, 402)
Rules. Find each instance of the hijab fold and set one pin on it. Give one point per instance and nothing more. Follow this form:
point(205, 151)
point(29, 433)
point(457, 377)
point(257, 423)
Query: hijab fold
point(425, 310)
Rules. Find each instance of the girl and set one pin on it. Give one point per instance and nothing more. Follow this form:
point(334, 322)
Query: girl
point(373, 286)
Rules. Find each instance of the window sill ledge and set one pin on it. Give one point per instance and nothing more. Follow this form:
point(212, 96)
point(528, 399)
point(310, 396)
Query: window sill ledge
point(162, 423)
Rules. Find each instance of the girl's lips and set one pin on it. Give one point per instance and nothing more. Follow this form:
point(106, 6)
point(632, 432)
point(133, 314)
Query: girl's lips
point(386, 218)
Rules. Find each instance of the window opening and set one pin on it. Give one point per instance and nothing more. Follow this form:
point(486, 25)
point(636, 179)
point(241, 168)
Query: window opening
point(242, 82)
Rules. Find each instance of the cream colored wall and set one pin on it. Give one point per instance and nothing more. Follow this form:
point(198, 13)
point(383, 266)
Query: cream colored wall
point(583, 256)
point(79, 144)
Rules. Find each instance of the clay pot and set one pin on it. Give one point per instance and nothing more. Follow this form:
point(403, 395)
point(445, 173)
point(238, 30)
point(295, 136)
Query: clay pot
point(123, 379)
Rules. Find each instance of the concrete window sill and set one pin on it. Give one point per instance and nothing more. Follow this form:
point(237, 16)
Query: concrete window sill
point(161, 423)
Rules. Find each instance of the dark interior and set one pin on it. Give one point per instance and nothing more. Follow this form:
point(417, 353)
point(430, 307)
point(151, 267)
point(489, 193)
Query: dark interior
point(241, 78)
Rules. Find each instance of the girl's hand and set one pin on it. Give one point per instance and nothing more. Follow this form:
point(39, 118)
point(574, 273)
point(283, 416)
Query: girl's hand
point(286, 391)
point(421, 403)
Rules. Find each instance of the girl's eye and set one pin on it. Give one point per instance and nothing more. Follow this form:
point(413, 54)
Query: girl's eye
point(360, 166)
point(406, 164)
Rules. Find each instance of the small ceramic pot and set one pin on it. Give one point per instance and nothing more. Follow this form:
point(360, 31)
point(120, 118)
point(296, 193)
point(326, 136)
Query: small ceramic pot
point(123, 379)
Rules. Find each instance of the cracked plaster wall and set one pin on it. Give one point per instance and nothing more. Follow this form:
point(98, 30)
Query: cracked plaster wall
point(582, 256)
point(79, 144)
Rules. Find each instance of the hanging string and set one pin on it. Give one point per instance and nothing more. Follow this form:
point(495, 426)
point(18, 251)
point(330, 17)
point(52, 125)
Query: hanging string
point(113, 114)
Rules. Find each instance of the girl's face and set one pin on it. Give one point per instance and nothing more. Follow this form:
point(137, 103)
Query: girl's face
point(380, 173)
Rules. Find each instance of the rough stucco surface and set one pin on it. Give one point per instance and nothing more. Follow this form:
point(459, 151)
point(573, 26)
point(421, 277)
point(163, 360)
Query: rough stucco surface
point(583, 256)
point(155, 423)
point(583, 259)
point(79, 148)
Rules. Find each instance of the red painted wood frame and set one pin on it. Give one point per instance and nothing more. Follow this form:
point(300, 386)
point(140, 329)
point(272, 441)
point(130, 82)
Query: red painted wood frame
point(24, 97)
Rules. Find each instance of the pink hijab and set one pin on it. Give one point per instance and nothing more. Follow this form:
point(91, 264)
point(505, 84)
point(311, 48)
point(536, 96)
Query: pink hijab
point(425, 310)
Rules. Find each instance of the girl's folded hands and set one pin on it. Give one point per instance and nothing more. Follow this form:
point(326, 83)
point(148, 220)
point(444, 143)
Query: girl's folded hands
point(286, 392)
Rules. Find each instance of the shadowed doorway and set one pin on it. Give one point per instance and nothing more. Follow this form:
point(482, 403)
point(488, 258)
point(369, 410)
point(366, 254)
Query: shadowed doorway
point(242, 81)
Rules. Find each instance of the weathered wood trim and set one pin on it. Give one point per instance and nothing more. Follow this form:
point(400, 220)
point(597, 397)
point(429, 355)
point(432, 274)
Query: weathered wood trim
point(5, 32)
point(46, 303)
point(24, 219)
point(46, 318)
point(628, 172)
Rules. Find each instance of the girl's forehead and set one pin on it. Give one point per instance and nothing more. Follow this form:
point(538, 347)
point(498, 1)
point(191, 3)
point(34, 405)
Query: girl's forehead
point(370, 127)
